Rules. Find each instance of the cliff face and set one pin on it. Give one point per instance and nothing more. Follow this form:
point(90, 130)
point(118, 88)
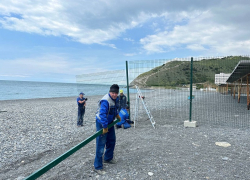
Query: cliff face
point(177, 73)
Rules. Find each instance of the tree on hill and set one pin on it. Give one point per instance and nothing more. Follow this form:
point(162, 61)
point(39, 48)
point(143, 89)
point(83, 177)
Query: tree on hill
point(177, 73)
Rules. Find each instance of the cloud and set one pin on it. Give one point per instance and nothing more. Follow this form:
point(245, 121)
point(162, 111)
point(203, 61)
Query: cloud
point(130, 54)
point(56, 67)
point(214, 30)
point(84, 21)
point(36, 66)
point(195, 47)
point(128, 39)
point(209, 26)
point(110, 45)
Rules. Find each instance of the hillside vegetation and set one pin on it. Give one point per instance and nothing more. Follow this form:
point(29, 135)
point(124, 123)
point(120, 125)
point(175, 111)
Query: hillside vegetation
point(177, 73)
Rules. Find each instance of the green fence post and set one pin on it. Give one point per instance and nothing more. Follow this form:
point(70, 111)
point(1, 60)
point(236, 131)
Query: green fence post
point(191, 90)
point(128, 87)
point(59, 159)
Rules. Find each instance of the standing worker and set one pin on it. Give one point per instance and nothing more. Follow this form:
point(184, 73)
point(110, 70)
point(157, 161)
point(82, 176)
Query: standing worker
point(81, 101)
point(106, 114)
point(122, 102)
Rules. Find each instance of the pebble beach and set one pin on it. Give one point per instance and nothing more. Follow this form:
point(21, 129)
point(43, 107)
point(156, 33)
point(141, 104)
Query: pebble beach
point(35, 131)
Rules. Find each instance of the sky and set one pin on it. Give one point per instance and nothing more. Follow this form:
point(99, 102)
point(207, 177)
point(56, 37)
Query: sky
point(55, 40)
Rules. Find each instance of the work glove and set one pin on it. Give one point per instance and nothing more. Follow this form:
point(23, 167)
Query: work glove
point(105, 130)
point(118, 117)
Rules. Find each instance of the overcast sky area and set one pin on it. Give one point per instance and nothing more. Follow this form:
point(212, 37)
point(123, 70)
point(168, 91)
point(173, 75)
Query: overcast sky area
point(54, 40)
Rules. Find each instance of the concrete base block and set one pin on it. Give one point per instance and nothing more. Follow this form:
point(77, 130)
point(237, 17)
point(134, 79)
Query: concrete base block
point(190, 124)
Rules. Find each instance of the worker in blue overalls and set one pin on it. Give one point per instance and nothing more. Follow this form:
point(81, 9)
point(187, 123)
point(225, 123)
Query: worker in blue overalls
point(125, 121)
point(106, 114)
point(81, 101)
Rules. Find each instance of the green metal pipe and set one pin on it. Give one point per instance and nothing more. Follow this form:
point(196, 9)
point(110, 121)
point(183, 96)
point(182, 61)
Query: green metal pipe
point(128, 87)
point(191, 90)
point(56, 161)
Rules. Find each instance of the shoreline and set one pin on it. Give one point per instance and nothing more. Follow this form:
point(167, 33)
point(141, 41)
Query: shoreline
point(47, 98)
point(37, 98)
point(63, 97)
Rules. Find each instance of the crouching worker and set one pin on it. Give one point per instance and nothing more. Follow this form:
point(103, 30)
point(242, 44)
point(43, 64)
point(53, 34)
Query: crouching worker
point(125, 122)
point(106, 114)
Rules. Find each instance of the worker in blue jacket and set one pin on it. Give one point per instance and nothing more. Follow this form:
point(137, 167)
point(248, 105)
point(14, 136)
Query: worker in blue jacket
point(125, 122)
point(81, 102)
point(106, 114)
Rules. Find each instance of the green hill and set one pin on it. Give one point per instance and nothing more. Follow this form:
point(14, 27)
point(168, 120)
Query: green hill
point(177, 73)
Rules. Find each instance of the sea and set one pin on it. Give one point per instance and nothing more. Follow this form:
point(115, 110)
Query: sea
point(11, 90)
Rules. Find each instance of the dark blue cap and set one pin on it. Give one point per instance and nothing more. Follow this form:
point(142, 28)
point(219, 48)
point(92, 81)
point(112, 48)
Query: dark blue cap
point(82, 93)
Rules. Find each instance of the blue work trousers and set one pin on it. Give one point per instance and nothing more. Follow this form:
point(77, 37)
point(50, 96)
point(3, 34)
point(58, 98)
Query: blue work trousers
point(81, 112)
point(103, 140)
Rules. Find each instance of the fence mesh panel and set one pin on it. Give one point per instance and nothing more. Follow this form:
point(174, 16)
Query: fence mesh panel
point(166, 83)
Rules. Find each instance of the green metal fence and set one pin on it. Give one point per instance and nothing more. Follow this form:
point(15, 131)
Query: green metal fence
point(186, 89)
point(56, 161)
point(169, 87)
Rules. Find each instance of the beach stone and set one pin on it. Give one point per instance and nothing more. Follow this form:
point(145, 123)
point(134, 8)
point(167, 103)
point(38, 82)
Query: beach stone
point(150, 173)
point(225, 158)
point(166, 152)
point(223, 144)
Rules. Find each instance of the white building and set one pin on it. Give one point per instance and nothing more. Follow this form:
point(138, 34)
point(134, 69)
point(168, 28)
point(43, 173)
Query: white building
point(221, 78)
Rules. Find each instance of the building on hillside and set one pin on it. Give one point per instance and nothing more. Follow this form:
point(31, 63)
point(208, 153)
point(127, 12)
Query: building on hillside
point(221, 78)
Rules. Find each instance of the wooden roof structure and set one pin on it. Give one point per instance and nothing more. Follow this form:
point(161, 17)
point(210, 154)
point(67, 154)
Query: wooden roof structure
point(240, 72)
point(240, 77)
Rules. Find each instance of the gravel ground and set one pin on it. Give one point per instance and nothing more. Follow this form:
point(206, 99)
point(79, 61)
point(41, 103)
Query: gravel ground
point(34, 132)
